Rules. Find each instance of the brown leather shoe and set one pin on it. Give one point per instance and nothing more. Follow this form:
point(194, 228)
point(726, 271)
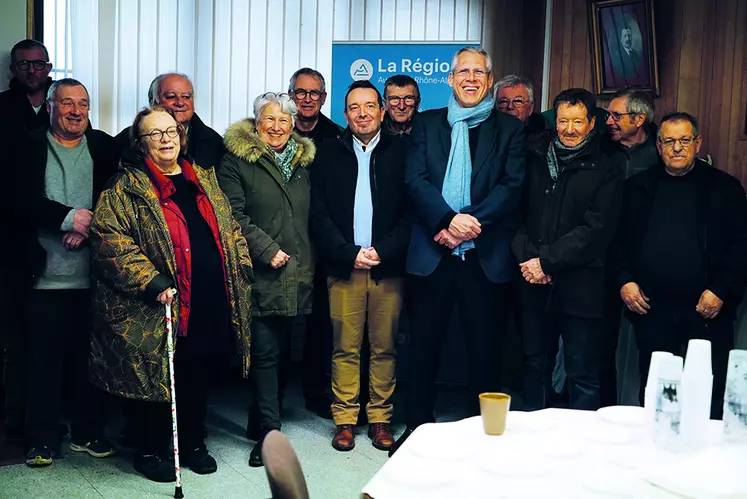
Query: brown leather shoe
point(344, 439)
point(380, 435)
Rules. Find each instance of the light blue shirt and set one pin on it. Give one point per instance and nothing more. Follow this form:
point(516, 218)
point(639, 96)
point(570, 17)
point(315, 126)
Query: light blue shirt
point(363, 205)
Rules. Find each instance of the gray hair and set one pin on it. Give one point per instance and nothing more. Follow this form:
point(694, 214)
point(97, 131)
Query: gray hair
point(509, 81)
point(154, 91)
point(680, 116)
point(64, 82)
point(308, 72)
point(283, 100)
point(637, 102)
point(474, 50)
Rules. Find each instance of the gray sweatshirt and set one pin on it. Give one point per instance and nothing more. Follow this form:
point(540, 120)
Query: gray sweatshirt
point(68, 180)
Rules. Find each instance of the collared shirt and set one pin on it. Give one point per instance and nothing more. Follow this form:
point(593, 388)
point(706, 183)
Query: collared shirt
point(363, 206)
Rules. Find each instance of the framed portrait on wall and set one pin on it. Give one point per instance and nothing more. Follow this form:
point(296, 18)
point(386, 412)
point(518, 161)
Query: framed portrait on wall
point(624, 45)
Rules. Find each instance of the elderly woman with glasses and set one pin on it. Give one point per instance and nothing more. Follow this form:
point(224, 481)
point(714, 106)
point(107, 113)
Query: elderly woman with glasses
point(265, 175)
point(164, 225)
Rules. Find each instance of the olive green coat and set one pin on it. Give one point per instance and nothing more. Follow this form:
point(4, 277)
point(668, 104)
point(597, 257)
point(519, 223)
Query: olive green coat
point(131, 245)
point(273, 215)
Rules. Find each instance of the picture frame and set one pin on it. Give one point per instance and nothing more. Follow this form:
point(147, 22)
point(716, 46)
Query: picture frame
point(623, 41)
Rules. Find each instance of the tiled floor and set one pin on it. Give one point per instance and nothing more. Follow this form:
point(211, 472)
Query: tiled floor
point(329, 474)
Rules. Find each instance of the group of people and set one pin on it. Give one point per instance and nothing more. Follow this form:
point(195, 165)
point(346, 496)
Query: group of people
point(483, 206)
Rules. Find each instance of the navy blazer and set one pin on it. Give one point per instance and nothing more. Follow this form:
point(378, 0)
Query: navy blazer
point(497, 177)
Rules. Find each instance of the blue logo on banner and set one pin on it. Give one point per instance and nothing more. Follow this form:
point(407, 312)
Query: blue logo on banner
point(428, 64)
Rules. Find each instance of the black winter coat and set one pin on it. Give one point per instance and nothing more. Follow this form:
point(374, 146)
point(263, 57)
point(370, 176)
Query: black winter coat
point(569, 225)
point(333, 182)
point(722, 230)
point(635, 159)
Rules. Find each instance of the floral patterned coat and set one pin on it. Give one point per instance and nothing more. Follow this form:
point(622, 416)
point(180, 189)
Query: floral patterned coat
point(131, 246)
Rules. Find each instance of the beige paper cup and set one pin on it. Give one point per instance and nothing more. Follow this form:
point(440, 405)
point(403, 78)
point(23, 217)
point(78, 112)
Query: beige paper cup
point(494, 409)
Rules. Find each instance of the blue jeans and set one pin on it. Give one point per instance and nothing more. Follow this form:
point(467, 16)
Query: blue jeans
point(581, 344)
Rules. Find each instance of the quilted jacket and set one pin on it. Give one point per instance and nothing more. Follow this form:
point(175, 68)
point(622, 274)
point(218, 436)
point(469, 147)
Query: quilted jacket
point(131, 246)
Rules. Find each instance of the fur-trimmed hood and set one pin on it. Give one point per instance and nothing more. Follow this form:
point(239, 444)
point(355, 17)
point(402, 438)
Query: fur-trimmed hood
point(241, 139)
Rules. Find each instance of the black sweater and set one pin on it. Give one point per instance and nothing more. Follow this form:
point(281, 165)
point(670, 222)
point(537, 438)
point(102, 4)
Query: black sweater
point(333, 182)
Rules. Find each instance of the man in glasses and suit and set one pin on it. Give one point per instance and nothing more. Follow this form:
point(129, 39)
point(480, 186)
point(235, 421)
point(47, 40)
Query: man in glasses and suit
point(401, 101)
point(175, 91)
point(24, 109)
point(309, 91)
point(24, 101)
point(630, 143)
point(514, 95)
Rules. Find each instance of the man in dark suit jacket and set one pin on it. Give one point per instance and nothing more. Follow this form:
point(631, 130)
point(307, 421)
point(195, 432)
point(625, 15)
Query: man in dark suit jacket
point(464, 175)
point(626, 60)
point(175, 91)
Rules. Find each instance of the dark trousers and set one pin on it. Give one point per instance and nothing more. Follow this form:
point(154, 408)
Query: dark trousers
point(59, 324)
point(270, 339)
point(669, 325)
point(13, 362)
point(483, 311)
point(581, 339)
point(317, 345)
point(613, 307)
point(151, 421)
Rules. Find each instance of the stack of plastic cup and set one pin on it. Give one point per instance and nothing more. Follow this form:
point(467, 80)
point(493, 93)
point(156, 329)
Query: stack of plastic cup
point(652, 384)
point(735, 397)
point(669, 403)
point(697, 388)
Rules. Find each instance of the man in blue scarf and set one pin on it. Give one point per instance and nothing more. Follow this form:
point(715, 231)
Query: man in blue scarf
point(464, 176)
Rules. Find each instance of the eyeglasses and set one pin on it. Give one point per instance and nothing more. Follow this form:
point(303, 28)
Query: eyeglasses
point(518, 103)
point(157, 135)
point(301, 93)
point(272, 95)
point(394, 100)
point(464, 73)
point(618, 116)
point(38, 65)
point(685, 142)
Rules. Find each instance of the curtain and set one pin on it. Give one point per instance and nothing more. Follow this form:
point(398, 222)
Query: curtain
point(234, 50)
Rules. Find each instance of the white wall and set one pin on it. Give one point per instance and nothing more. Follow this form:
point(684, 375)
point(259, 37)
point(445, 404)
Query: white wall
point(12, 30)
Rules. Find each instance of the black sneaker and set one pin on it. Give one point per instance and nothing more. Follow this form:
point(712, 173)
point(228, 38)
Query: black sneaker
point(155, 468)
point(100, 448)
point(39, 456)
point(200, 461)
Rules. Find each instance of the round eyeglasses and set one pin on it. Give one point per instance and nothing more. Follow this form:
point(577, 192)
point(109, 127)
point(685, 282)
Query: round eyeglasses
point(157, 135)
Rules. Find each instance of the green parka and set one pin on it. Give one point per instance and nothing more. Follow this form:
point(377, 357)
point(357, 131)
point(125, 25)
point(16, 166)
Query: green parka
point(273, 215)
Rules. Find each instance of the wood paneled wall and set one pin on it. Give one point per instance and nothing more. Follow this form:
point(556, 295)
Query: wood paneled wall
point(702, 67)
point(515, 37)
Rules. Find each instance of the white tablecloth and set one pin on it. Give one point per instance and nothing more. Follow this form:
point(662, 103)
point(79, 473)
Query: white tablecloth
point(558, 453)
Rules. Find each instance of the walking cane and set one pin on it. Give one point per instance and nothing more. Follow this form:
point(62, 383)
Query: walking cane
point(170, 349)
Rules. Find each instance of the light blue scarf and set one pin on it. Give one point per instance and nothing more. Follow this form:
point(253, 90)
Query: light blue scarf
point(458, 178)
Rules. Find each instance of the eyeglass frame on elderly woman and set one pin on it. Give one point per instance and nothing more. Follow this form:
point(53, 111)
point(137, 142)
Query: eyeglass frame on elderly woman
point(156, 135)
point(272, 95)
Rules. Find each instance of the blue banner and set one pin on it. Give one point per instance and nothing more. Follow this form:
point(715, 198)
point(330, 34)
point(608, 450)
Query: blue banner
point(428, 64)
